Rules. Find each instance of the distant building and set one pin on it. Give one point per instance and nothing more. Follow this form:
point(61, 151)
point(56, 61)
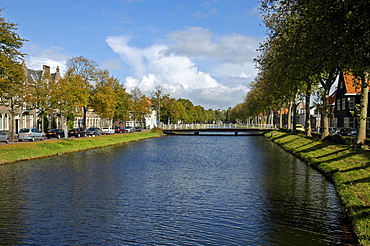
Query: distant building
point(347, 96)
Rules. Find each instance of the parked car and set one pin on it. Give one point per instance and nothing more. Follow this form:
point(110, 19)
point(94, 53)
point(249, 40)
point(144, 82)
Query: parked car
point(344, 131)
point(4, 137)
point(119, 129)
point(77, 132)
point(107, 130)
point(138, 129)
point(30, 134)
point(129, 129)
point(353, 133)
point(55, 133)
point(93, 131)
point(299, 127)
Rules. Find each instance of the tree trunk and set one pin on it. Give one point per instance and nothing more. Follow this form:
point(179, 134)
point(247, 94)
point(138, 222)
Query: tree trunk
point(289, 120)
point(361, 128)
point(307, 106)
point(324, 115)
point(281, 118)
point(326, 83)
point(84, 117)
point(294, 111)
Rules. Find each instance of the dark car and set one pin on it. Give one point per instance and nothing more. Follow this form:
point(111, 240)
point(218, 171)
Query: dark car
point(77, 132)
point(55, 133)
point(138, 129)
point(4, 137)
point(119, 129)
point(93, 131)
point(344, 131)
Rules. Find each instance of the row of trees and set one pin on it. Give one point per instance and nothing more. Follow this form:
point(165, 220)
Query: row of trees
point(309, 42)
point(84, 86)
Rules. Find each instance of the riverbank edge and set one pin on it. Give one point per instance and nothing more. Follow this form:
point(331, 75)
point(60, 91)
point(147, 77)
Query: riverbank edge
point(17, 152)
point(344, 166)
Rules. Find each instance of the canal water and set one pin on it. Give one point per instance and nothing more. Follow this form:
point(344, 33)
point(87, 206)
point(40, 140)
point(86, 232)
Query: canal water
point(175, 190)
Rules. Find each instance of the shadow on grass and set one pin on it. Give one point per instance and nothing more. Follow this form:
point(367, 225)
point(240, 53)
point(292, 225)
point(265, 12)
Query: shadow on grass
point(367, 165)
point(314, 148)
point(359, 181)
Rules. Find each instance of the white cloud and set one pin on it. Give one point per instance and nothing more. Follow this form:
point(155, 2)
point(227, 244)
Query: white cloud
point(37, 57)
point(227, 66)
point(112, 64)
point(200, 42)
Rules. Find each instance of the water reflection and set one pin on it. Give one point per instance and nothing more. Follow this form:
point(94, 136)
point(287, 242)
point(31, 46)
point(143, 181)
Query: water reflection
point(172, 191)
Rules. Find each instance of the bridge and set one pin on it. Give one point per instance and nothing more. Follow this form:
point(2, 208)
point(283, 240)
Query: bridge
point(217, 129)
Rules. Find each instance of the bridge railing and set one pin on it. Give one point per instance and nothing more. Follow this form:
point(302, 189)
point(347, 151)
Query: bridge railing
point(219, 125)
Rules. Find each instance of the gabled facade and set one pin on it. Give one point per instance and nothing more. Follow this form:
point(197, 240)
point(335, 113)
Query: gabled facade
point(25, 117)
point(347, 96)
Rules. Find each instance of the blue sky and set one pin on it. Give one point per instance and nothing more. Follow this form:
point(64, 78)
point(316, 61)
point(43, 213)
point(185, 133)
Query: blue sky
point(198, 50)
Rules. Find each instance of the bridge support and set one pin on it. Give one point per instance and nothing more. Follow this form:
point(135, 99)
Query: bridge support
point(236, 133)
point(196, 133)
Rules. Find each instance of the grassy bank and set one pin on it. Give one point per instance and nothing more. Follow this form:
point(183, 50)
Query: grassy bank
point(25, 151)
point(348, 168)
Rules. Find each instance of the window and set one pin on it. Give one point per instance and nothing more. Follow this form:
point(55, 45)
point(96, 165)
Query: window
point(340, 84)
point(335, 122)
point(24, 122)
point(351, 103)
point(1, 122)
point(345, 122)
point(343, 104)
point(349, 122)
point(6, 122)
point(338, 105)
point(31, 120)
point(352, 122)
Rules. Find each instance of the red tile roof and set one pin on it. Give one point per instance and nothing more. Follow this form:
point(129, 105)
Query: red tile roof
point(352, 84)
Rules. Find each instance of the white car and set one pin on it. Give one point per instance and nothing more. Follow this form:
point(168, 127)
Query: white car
point(4, 137)
point(107, 130)
point(30, 134)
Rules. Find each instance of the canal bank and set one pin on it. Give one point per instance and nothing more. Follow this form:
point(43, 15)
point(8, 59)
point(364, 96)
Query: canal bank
point(38, 149)
point(347, 168)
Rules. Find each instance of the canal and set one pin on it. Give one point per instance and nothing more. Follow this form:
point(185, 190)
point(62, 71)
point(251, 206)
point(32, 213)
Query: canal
point(175, 190)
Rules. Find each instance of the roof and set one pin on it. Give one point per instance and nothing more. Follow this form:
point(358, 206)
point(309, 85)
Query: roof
point(333, 98)
point(34, 75)
point(353, 85)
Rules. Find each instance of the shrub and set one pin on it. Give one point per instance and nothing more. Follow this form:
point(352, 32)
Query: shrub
point(157, 130)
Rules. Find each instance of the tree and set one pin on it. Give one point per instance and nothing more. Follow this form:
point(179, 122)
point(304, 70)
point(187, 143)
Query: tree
point(315, 29)
point(121, 111)
point(104, 98)
point(140, 105)
point(173, 111)
point(188, 106)
point(199, 114)
point(12, 74)
point(88, 71)
point(70, 94)
point(357, 51)
point(157, 96)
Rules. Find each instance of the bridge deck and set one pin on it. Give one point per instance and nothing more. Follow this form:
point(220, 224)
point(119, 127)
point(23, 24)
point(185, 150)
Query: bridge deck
point(236, 131)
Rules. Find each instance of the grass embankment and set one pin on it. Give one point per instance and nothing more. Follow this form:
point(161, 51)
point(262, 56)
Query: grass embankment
point(348, 168)
point(25, 151)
